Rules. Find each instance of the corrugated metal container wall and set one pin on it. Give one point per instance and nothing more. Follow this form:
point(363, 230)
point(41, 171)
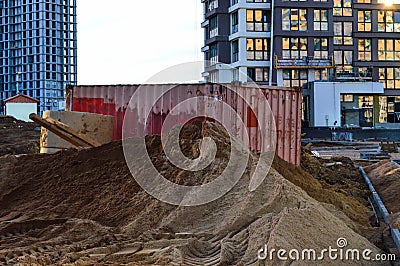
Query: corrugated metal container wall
point(285, 104)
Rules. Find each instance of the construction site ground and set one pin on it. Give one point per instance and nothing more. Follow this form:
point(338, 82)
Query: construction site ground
point(18, 137)
point(84, 207)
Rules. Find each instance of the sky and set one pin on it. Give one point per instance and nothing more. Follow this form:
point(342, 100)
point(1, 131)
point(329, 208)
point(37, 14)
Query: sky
point(127, 41)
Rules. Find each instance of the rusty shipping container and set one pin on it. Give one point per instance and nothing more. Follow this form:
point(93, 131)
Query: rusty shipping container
point(285, 104)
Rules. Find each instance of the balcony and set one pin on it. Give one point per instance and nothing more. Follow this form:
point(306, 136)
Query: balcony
point(304, 62)
point(212, 5)
point(213, 33)
point(353, 74)
point(211, 62)
point(235, 28)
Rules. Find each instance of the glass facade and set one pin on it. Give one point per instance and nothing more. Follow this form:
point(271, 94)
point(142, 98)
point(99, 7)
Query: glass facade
point(38, 50)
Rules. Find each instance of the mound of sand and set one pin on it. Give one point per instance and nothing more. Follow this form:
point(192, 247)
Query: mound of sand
point(84, 207)
point(340, 185)
point(385, 177)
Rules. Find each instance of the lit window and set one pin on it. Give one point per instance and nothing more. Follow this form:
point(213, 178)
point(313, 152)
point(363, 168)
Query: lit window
point(389, 49)
point(347, 98)
point(388, 21)
point(294, 19)
point(258, 20)
point(342, 8)
point(364, 20)
point(396, 2)
point(258, 49)
point(364, 49)
point(294, 47)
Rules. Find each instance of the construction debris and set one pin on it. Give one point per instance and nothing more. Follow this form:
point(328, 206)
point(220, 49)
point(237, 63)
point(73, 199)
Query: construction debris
point(389, 147)
point(64, 131)
point(83, 207)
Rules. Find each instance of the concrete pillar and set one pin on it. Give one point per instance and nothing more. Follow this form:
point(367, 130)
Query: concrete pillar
point(279, 77)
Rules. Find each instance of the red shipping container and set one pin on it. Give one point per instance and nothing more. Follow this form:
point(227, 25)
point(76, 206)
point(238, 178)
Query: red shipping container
point(285, 104)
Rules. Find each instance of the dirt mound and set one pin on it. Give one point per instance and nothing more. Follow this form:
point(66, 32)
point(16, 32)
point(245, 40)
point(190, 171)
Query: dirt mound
point(385, 176)
point(83, 207)
point(340, 185)
point(18, 137)
point(395, 220)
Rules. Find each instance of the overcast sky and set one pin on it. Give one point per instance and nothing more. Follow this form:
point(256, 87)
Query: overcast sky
point(126, 41)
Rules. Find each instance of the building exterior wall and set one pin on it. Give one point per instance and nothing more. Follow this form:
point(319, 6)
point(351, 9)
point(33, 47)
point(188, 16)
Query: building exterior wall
point(325, 99)
point(37, 50)
point(21, 111)
point(316, 40)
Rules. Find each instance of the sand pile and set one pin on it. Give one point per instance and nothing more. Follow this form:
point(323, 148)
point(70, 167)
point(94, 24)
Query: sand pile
point(340, 185)
point(84, 207)
point(18, 137)
point(385, 177)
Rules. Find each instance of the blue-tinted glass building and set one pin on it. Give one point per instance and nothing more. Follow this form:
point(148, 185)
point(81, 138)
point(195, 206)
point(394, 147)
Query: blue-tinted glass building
point(38, 50)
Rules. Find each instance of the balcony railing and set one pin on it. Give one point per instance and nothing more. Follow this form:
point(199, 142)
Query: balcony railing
point(211, 62)
point(353, 74)
point(235, 57)
point(304, 62)
point(212, 5)
point(235, 28)
point(213, 33)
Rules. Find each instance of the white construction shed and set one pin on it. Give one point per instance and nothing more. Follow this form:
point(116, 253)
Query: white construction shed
point(21, 106)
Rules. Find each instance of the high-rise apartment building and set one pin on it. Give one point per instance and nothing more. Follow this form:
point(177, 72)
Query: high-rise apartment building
point(346, 49)
point(37, 50)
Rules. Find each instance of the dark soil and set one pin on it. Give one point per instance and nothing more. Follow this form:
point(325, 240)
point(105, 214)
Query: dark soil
point(18, 137)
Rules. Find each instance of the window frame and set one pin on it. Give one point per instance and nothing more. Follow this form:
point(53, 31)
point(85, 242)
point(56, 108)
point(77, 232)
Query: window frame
point(323, 50)
point(321, 21)
point(342, 37)
point(294, 47)
point(295, 77)
point(253, 25)
point(252, 42)
point(294, 19)
point(342, 8)
point(264, 74)
point(344, 66)
point(388, 49)
point(364, 25)
point(364, 49)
